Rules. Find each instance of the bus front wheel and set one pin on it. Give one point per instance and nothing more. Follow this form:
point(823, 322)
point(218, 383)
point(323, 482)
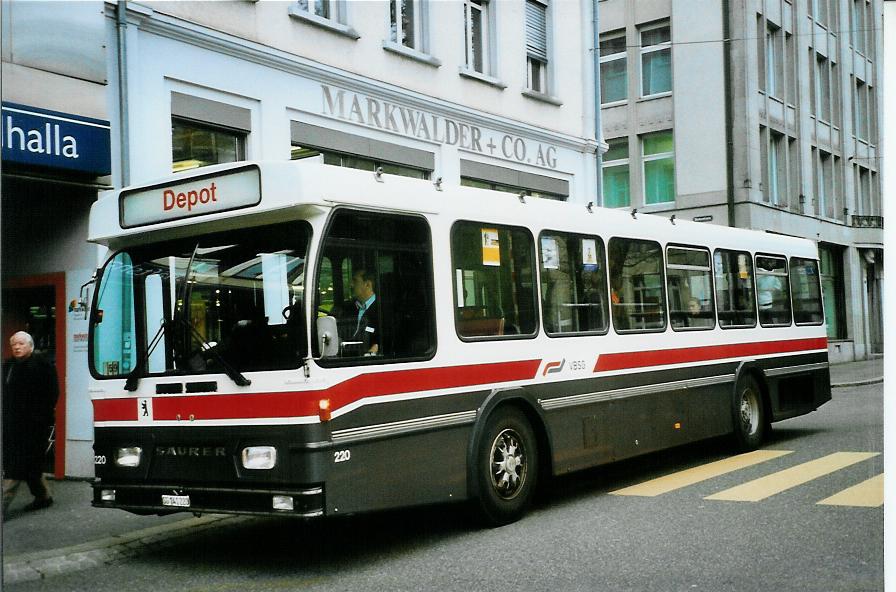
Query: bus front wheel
point(750, 420)
point(506, 467)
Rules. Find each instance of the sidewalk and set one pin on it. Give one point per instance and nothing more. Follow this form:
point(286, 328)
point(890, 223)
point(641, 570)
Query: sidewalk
point(857, 373)
point(72, 535)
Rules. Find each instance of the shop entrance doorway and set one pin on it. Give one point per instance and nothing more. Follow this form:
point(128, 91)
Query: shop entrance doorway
point(36, 304)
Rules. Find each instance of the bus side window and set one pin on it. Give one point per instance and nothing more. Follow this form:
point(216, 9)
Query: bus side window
point(735, 295)
point(806, 291)
point(689, 282)
point(636, 285)
point(573, 283)
point(773, 291)
point(494, 280)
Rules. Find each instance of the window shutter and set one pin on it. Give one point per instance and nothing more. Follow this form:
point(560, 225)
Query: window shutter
point(536, 30)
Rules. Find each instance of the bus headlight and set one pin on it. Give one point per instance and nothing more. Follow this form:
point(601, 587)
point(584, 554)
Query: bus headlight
point(129, 456)
point(259, 457)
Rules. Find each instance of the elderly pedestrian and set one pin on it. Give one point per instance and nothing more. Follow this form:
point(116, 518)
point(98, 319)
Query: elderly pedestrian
point(30, 391)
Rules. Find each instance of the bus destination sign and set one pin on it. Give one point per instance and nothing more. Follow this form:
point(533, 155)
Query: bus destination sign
point(196, 197)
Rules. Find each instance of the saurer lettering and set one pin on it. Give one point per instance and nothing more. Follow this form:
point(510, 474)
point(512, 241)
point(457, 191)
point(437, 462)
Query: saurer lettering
point(189, 199)
point(190, 451)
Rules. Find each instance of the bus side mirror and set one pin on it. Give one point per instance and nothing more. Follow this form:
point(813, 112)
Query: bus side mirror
point(327, 336)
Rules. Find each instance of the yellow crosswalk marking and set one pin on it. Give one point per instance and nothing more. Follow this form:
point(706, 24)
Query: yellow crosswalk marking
point(867, 494)
point(764, 487)
point(687, 477)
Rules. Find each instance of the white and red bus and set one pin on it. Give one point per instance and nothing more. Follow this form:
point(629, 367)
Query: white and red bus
point(299, 339)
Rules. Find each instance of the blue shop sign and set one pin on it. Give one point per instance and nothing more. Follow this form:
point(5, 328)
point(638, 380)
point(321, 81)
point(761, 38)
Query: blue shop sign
point(52, 139)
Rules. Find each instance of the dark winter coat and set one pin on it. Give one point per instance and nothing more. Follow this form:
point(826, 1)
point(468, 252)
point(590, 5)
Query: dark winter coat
point(30, 392)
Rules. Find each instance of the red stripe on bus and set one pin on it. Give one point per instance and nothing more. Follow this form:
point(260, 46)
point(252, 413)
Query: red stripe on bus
point(120, 409)
point(663, 357)
point(305, 403)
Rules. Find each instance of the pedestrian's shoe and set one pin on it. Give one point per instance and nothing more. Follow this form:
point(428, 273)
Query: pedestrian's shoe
point(39, 504)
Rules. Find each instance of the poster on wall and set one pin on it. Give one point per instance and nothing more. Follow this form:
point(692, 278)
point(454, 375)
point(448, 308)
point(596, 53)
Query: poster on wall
point(491, 247)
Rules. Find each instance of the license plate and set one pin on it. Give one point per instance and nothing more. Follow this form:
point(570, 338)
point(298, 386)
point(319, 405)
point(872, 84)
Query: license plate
point(178, 501)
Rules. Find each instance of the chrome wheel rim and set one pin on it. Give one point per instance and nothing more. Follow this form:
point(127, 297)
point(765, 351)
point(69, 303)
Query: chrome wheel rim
point(508, 464)
point(749, 411)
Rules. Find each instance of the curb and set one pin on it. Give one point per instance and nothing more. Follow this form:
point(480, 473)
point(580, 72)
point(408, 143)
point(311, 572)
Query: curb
point(858, 383)
point(44, 564)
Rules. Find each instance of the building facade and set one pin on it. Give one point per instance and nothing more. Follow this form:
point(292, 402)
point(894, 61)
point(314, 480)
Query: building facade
point(56, 157)
point(778, 130)
point(480, 92)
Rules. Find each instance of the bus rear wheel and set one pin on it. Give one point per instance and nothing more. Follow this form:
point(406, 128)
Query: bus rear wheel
point(506, 467)
point(750, 419)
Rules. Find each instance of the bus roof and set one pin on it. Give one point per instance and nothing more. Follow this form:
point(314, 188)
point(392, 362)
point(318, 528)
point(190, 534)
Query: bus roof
point(245, 194)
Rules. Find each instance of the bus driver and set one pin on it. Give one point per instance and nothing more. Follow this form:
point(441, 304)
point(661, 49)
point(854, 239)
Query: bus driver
point(362, 327)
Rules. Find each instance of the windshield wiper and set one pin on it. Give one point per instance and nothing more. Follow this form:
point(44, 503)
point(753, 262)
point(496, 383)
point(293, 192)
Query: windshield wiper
point(137, 373)
point(234, 374)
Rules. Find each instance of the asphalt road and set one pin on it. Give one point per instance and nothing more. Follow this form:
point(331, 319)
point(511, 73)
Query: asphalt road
point(579, 536)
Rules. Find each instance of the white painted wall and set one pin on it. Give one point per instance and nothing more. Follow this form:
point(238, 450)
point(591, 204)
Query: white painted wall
point(268, 22)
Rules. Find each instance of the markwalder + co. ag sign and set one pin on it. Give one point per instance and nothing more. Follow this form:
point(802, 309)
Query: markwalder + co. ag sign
point(377, 113)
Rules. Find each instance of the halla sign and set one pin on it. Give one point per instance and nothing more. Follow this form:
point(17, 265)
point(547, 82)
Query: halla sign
point(57, 140)
point(391, 117)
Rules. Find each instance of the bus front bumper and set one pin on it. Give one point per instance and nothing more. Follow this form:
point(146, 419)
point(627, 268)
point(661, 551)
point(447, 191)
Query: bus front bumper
point(306, 502)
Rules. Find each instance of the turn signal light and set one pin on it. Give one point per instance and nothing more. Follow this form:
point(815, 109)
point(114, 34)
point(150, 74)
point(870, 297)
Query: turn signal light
point(323, 410)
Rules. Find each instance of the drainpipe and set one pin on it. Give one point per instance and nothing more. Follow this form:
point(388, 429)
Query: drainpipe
point(598, 132)
point(729, 115)
point(123, 126)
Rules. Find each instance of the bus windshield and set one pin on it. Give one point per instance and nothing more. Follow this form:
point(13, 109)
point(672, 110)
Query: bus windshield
point(225, 302)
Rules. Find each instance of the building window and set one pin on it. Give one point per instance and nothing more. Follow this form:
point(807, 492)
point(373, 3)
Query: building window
point(616, 192)
point(476, 28)
point(407, 23)
point(826, 183)
point(321, 8)
point(820, 11)
point(613, 68)
point(775, 166)
point(483, 176)
point(537, 45)
point(196, 145)
point(822, 88)
point(832, 290)
point(352, 161)
point(861, 28)
point(659, 167)
point(330, 15)
point(790, 57)
point(482, 184)
point(863, 191)
point(773, 61)
point(656, 61)
point(861, 110)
